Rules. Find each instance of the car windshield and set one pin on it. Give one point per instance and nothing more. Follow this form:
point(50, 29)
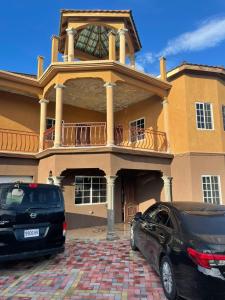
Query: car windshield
point(210, 223)
point(16, 196)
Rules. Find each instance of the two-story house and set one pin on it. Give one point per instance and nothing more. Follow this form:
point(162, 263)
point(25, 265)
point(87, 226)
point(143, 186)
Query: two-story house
point(113, 137)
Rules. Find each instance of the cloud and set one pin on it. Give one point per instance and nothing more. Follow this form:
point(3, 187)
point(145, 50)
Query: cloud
point(144, 59)
point(209, 34)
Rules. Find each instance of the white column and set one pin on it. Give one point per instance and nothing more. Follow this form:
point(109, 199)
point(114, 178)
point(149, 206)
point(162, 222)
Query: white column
point(43, 115)
point(122, 35)
point(70, 32)
point(109, 113)
point(166, 121)
point(57, 180)
point(167, 188)
point(110, 192)
point(58, 114)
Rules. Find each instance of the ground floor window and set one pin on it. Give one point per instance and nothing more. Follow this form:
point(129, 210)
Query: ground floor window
point(90, 189)
point(211, 189)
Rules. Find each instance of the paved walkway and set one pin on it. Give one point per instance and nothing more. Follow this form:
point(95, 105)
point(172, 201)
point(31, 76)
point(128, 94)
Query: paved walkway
point(89, 269)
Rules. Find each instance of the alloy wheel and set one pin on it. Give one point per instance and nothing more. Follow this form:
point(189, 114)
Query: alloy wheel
point(167, 277)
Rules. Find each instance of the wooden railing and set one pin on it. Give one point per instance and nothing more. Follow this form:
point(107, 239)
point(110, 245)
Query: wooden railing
point(94, 134)
point(84, 134)
point(18, 141)
point(141, 138)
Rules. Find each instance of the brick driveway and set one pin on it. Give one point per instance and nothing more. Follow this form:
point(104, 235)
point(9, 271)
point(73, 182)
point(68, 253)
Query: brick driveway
point(89, 269)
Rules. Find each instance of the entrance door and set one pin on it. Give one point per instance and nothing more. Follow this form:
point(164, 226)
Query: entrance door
point(130, 205)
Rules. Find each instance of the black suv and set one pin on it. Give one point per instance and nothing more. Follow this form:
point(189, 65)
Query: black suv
point(185, 244)
point(32, 220)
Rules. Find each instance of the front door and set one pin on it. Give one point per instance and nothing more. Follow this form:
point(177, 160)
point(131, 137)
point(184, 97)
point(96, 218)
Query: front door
point(130, 205)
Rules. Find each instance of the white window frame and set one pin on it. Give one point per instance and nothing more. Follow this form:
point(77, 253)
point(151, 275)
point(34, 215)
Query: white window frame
point(136, 140)
point(223, 116)
point(219, 188)
point(212, 115)
point(91, 194)
point(53, 133)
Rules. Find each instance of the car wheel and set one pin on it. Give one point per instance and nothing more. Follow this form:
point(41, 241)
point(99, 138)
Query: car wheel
point(132, 242)
point(167, 279)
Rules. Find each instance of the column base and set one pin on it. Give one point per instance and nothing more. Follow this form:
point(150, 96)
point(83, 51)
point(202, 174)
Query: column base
point(112, 236)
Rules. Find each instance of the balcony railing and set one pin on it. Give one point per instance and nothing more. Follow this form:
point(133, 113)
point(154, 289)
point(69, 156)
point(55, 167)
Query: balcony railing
point(83, 134)
point(94, 134)
point(18, 141)
point(141, 138)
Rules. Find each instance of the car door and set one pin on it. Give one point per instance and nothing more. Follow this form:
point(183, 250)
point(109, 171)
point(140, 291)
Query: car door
point(146, 228)
point(163, 230)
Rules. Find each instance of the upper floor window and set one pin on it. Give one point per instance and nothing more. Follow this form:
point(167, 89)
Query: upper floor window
point(204, 116)
point(223, 114)
point(50, 122)
point(137, 130)
point(211, 189)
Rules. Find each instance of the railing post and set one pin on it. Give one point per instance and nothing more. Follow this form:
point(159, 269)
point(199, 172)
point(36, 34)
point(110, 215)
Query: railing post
point(43, 114)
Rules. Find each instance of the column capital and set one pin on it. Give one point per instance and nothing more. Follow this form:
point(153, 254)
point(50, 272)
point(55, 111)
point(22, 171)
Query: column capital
point(122, 31)
point(54, 37)
point(165, 101)
point(110, 179)
point(59, 86)
point(113, 32)
point(109, 84)
point(71, 31)
point(167, 179)
point(43, 101)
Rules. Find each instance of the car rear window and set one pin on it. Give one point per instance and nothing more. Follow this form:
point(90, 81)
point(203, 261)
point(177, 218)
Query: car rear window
point(16, 196)
point(211, 223)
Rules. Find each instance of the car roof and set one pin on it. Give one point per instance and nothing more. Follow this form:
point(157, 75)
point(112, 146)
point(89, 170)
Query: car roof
point(190, 206)
point(28, 184)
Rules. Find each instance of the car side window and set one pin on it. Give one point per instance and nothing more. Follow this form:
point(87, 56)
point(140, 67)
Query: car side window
point(160, 216)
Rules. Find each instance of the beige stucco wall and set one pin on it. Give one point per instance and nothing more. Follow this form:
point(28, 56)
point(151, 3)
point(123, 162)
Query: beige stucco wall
point(187, 170)
point(18, 166)
point(150, 109)
point(184, 135)
point(19, 112)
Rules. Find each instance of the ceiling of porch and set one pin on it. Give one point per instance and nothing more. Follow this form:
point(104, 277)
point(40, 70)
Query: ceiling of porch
point(90, 93)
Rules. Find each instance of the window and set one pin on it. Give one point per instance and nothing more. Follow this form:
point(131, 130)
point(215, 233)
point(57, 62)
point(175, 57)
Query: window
point(137, 130)
point(223, 114)
point(50, 122)
point(160, 216)
point(90, 189)
point(204, 115)
point(211, 189)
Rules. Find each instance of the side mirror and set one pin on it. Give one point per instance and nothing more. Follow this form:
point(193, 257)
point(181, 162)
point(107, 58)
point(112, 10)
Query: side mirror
point(138, 216)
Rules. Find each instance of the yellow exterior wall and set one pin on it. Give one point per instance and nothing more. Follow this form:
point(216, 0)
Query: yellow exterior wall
point(178, 122)
point(151, 110)
point(19, 112)
point(184, 135)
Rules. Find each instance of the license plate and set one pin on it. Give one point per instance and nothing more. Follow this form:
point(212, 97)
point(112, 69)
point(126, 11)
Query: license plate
point(31, 233)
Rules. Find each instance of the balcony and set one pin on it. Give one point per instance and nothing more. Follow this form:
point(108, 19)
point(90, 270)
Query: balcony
point(18, 141)
point(95, 135)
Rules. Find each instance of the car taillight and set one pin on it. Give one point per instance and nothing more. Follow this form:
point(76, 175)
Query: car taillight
point(64, 228)
point(33, 185)
point(206, 260)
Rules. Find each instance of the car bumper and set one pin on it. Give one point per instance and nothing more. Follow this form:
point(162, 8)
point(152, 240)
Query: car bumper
point(193, 284)
point(31, 254)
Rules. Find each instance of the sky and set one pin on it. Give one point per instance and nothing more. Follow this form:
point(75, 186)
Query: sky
point(181, 30)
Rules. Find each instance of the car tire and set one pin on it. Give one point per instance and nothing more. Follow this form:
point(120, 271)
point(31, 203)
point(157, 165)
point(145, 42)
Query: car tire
point(132, 241)
point(167, 279)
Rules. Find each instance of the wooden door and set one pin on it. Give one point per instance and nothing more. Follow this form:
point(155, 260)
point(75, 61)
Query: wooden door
point(130, 205)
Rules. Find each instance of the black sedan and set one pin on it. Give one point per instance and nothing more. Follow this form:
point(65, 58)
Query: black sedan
point(185, 244)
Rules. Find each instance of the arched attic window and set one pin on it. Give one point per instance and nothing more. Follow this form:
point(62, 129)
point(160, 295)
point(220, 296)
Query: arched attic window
point(94, 41)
